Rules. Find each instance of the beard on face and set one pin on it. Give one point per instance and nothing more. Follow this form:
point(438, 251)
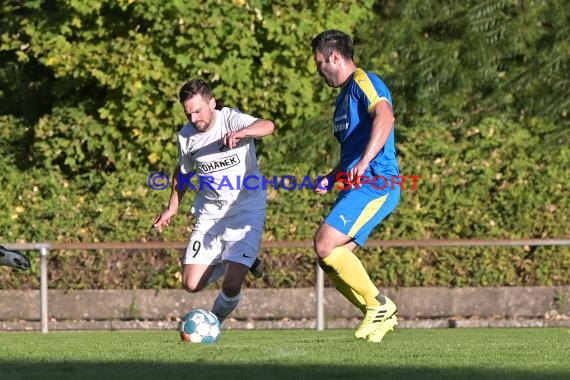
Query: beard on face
point(201, 126)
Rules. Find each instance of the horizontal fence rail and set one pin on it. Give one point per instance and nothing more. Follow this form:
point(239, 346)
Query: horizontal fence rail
point(301, 244)
point(44, 249)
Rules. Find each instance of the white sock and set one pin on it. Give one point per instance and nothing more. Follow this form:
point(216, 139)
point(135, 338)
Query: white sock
point(218, 272)
point(224, 305)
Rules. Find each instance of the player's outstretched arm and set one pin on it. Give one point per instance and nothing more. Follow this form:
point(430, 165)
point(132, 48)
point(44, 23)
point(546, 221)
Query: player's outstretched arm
point(176, 195)
point(14, 259)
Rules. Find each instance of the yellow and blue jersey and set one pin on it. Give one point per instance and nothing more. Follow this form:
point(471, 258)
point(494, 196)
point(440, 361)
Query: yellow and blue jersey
point(352, 123)
point(358, 210)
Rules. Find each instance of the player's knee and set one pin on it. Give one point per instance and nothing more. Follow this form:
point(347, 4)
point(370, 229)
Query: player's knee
point(232, 285)
point(231, 289)
point(192, 289)
point(321, 247)
point(192, 286)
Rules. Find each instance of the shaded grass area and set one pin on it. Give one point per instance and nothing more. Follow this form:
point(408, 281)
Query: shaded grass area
point(294, 354)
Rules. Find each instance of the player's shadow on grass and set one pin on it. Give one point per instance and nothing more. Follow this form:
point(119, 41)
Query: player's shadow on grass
point(195, 370)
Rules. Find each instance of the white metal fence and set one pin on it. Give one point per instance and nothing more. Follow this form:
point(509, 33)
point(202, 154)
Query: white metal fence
point(45, 248)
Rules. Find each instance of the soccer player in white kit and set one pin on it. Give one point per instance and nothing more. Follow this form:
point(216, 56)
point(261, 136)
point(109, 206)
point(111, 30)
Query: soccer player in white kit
point(219, 146)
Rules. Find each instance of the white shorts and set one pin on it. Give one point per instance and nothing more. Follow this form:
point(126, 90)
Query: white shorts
point(235, 238)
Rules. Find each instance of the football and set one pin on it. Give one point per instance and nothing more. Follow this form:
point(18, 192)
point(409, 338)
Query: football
point(199, 326)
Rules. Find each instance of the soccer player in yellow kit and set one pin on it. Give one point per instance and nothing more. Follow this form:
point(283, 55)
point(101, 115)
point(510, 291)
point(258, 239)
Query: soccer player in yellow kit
point(363, 124)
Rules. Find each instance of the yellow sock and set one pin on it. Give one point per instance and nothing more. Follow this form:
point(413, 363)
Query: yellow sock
point(352, 274)
point(348, 293)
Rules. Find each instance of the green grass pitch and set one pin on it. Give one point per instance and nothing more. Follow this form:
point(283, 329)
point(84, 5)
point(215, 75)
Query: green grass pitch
point(518, 353)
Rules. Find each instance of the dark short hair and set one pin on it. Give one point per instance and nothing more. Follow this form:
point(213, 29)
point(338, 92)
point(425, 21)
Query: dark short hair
point(333, 40)
point(195, 87)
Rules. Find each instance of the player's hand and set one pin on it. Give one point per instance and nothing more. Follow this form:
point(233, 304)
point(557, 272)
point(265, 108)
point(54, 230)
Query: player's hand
point(163, 220)
point(357, 171)
point(322, 185)
point(231, 139)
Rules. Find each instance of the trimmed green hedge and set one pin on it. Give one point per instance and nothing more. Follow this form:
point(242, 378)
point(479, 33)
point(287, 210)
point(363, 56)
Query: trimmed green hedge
point(89, 110)
point(485, 182)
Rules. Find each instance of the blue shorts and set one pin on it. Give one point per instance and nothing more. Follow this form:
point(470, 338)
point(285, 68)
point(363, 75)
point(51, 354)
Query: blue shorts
point(357, 211)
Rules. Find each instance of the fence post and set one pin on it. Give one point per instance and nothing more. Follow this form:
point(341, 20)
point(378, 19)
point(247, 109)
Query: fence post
point(320, 290)
point(43, 289)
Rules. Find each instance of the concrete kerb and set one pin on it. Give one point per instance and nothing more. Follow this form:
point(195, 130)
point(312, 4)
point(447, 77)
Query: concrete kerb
point(428, 307)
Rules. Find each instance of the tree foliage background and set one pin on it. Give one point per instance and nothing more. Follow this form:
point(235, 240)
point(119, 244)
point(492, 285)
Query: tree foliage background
point(481, 92)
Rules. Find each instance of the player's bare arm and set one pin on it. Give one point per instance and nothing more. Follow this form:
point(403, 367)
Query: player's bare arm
point(259, 128)
point(382, 124)
point(176, 195)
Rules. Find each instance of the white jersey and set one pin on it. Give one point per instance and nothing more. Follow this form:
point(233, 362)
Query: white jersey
point(221, 171)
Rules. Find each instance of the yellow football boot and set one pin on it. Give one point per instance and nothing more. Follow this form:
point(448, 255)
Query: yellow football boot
point(374, 316)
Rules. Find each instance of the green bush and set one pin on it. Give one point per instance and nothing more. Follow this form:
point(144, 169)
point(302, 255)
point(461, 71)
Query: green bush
point(476, 183)
point(89, 110)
